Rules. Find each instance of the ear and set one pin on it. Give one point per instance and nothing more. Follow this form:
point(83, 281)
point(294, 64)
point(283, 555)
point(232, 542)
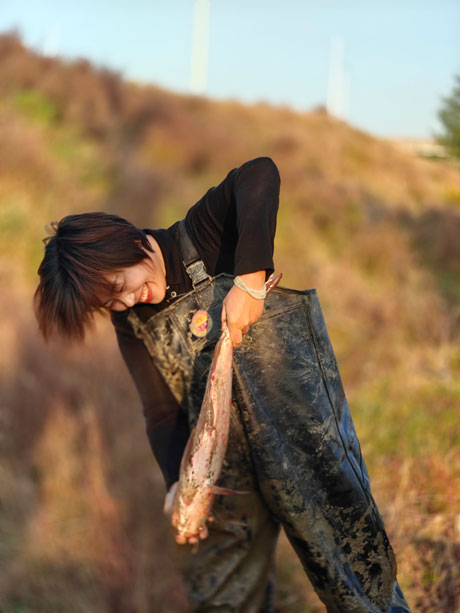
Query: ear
point(146, 249)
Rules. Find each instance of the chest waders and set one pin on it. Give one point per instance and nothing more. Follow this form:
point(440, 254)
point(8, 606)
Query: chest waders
point(292, 443)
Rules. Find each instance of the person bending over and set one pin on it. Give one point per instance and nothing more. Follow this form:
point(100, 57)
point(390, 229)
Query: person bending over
point(292, 444)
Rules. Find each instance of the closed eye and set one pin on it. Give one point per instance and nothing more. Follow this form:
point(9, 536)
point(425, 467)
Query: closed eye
point(117, 288)
point(109, 304)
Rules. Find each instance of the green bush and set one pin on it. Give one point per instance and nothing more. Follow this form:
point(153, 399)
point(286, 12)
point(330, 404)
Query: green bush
point(449, 116)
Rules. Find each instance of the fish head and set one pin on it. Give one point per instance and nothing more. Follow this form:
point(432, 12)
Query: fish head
point(190, 513)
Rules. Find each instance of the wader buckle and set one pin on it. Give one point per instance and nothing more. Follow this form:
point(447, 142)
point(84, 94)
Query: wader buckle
point(193, 264)
point(197, 273)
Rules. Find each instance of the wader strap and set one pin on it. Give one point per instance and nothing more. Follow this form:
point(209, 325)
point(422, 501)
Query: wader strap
point(194, 265)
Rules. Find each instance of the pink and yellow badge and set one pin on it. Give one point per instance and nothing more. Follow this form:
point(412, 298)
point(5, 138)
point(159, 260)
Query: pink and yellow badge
point(201, 323)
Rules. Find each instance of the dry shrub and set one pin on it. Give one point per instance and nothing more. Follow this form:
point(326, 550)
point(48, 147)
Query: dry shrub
point(372, 228)
point(136, 193)
point(420, 500)
point(78, 520)
point(81, 520)
point(91, 98)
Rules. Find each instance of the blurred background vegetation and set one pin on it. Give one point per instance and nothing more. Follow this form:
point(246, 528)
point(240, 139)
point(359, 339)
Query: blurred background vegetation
point(375, 229)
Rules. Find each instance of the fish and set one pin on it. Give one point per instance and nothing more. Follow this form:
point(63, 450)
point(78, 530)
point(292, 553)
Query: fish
point(204, 454)
point(190, 499)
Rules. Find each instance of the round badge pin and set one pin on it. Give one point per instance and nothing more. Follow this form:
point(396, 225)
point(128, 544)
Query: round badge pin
point(201, 323)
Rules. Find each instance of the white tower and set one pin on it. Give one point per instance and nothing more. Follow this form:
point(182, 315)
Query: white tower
point(52, 39)
point(338, 91)
point(200, 47)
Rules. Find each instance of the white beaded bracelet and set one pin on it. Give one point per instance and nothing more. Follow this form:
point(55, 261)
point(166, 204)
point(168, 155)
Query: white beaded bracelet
point(258, 294)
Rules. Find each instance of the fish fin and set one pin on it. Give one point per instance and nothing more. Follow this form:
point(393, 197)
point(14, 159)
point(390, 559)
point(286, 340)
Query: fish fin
point(215, 489)
point(272, 281)
point(228, 525)
point(169, 499)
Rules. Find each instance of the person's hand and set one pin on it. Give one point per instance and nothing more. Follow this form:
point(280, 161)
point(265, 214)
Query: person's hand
point(169, 499)
point(168, 509)
point(193, 540)
point(240, 310)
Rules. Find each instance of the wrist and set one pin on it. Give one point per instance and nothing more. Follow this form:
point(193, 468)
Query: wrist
point(254, 280)
point(242, 283)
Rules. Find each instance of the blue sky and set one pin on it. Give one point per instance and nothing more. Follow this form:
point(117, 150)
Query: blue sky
point(398, 57)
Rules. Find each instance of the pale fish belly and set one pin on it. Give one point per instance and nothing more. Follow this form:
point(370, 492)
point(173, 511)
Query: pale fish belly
point(203, 457)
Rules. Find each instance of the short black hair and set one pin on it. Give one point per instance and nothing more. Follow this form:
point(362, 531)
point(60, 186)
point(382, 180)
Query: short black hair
point(73, 273)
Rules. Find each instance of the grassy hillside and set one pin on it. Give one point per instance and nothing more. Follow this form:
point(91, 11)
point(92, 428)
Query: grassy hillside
point(374, 229)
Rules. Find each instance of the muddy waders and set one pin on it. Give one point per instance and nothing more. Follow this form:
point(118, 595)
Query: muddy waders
point(292, 443)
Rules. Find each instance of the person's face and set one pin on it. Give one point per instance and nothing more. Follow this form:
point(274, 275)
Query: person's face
point(142, 283)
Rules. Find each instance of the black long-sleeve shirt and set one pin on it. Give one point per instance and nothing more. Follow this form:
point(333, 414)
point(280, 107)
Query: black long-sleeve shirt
point(233, 228)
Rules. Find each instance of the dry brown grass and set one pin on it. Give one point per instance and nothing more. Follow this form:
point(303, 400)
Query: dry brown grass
point(81, 518)
point(374, 229)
